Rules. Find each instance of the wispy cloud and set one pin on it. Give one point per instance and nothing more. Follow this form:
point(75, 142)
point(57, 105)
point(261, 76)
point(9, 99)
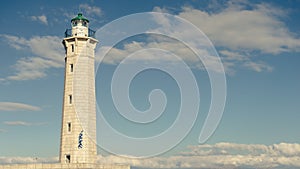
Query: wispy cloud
point(258, 66)
point(17, 123)
point(232, 59)
point(116, 55)
point(22, 123)
point(3, 131)
point(47, 53)
point(42, 19)
point(12, 106)
point(90, 10)
point(27, 160)
point(32, 68)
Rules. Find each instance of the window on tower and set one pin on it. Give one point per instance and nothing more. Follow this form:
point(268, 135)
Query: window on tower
point(74, 23)
point(84, 23)
point(72, 47)
point(70, 99)
point(71, 67)
point(69, 127)
point(68, 158)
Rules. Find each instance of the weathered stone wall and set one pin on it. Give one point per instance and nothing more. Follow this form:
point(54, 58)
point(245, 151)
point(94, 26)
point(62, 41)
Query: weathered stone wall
point(81, 111)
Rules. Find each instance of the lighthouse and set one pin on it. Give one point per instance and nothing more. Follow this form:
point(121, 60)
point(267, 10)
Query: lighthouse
point(78, 131)
point(78, 148)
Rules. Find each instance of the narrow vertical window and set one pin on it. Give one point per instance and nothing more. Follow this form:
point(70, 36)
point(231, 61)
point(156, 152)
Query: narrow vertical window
point(72, 47)
point(71, 67)
point(68, 158)
point(69, 127)
point(70, 99)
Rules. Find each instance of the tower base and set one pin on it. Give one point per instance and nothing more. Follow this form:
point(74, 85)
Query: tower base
point(65, 166)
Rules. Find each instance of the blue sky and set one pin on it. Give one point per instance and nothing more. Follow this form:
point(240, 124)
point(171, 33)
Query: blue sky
point(258, 43)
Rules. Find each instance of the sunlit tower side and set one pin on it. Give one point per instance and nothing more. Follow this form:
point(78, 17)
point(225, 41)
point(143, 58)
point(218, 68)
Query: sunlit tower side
point(78, 132)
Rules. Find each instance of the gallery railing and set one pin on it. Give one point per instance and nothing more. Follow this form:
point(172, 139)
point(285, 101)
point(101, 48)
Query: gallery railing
point(91, 33)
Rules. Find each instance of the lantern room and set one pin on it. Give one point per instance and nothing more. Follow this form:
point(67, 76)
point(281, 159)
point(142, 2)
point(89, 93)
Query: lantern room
point(80, 27)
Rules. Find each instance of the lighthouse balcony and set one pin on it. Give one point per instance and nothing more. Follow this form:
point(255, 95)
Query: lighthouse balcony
point(91, 33)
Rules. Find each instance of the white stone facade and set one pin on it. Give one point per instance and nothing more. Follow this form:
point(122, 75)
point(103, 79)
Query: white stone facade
point(79, 108)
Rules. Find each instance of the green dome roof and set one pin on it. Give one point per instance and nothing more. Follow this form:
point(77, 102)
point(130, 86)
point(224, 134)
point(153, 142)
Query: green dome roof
point(80, 17)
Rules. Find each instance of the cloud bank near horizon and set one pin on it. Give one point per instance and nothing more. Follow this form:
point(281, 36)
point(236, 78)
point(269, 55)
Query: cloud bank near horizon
point(220, 155)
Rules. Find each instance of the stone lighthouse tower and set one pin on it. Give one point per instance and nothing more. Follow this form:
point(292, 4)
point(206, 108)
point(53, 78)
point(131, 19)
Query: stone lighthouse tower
point(78, 132)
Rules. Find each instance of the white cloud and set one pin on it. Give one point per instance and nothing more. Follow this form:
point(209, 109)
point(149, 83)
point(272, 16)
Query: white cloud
point(68, 15)
point(258, 67)
point(237, 27)
point(22, 123)
point(3, 131)
point(32, 68)
point(90, 10)
point(116, 55)
point(47, 53)
point(17, 123)
point(242, 31)
point(232, 59)
point(172, 45)
point(27, 160)
point(16, 42)
point(286, 149)
point(41, 18)
point(233, 56)
point(3, 81)
point(11, 106)
point(220, 155)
